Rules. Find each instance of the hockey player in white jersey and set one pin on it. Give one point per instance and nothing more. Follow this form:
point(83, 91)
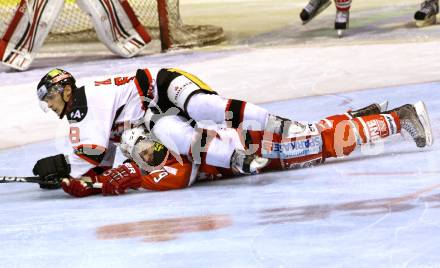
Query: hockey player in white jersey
point(97, 117)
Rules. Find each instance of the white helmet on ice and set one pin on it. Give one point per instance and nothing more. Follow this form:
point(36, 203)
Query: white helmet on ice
point(129, 138)
point(137, 145)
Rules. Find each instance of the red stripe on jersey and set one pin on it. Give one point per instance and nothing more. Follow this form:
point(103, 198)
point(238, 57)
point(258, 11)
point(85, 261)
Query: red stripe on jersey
point(91, 161)
point(91, 153)
point(228, 105)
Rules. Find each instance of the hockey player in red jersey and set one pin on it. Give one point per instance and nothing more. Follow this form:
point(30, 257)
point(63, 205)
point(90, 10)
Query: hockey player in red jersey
point(152, 166)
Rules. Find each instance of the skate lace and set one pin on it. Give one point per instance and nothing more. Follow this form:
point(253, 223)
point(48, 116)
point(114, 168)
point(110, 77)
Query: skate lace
point(410, 128)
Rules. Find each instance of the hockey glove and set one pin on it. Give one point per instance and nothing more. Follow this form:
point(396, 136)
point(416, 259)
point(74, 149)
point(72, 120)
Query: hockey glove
point(79, 187)
point(50, 185)
point(115, 181)
point(52, 168)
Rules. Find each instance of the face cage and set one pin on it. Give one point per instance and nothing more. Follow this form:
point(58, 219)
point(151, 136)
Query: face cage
point(140, 146)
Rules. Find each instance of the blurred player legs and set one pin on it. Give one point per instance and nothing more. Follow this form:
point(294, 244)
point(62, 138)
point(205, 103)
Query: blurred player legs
point(426, 15)
point(313, 8)
point(342, 16)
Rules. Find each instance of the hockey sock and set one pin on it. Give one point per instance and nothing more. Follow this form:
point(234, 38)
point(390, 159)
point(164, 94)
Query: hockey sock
point(342, 136)
point(343, 5)
point(245, 115)
point(235, 113)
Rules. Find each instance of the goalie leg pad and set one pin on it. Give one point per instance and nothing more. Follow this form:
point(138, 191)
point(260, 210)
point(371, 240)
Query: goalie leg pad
point(27, 31)
point(116, 26)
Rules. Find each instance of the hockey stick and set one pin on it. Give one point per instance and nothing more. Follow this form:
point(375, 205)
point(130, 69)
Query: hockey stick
point(7, 179)
point(10, 179)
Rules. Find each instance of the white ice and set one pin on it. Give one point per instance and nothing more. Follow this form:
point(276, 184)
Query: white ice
point(366, 210)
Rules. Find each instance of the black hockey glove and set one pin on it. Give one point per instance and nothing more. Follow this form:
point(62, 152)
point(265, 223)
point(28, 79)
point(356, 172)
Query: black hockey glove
point(51, 170)
point(50, 185)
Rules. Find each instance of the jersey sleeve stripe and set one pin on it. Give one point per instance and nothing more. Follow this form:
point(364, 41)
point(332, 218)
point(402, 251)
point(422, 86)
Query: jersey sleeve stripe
point(143, 84)
point(91, 153)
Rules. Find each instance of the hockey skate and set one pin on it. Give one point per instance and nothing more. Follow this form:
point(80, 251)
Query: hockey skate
point(375, 108)
point(426, 15)
point(341, 22)
point(313, 8)
point(415, 120)
point(242, 163)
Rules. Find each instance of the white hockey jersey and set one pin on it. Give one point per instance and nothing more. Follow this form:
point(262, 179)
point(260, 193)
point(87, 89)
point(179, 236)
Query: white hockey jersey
point(97, 116)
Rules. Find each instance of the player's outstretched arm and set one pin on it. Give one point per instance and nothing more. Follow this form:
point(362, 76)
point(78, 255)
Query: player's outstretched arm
point(114, 181)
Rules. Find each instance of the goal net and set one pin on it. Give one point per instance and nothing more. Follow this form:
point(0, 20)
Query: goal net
point(160, 17)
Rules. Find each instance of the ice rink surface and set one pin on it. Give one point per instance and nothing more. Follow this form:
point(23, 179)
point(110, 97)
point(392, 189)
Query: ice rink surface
point(366, 210)
point(376, 208)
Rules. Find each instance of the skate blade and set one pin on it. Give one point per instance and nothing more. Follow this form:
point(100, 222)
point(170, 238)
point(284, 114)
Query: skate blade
point(424, 119)
point(383, 106)
point(429, 21)
point(321, 9)
point(258, 164)
point(340, 33)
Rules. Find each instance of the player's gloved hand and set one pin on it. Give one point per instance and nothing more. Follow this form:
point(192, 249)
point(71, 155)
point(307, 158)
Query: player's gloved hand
point(116, 180)
point(52, 168)
point(79, 187)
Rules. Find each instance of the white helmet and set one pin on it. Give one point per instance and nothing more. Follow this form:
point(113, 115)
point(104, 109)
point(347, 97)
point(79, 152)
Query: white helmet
point(129, 138)
point(137, 142)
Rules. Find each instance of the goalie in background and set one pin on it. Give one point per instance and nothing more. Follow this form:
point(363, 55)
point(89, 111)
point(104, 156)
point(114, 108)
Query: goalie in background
point(116, 26)
point(427, 13)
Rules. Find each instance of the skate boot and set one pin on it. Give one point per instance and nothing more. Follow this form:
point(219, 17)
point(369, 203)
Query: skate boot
point(242, 163)
point(375, 108)
point(341, 22)
point(414, 119)
point(426, 15)
point(313, 8)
